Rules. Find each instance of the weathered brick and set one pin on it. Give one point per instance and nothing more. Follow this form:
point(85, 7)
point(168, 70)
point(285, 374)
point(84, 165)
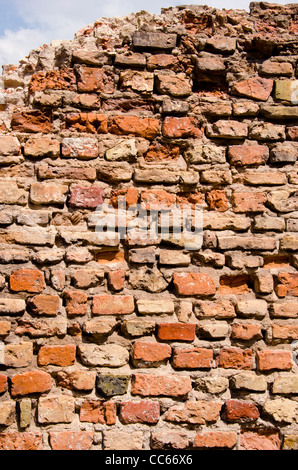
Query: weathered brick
point(83, 148)
point(249, 202)
point(7, 413)
point(98, 412)
point(260, 440)
point(71, 440)
point(11, 194)
point(133, 125)
point(194, 284)
point(31, 121)
point(122, 440)
point(138, 81)
point(160, 385)
point(86, 197)
point(156, 40)
point(105, 304)
point(12, 306)
point(9, 145)
point(30, 383)
point(76, 303)
point(76, 380)
point(246, 331)
point(56, 409)
point(287, 384)
point(21, 441)
point(248, 155)
point(199, 412)
point(43, 146)
point(195, 358)
point(107, 355)
point(275, 359)
point(183, 127)
point(287, 284)
point(248, 381)
point(241, 411)
point(45, 305)
point(235, 358)
point(57, 355)
point(50, 193)
point(174, 85)
point(256, 88)
point(18, 355)
point(252, 308)
point(116, 280)
point(169, 440)
point(284, 332)
point(91, 123)
point(27, 280)
point(111, 385)
point(3, 383)
point(227, 130)
point(150, 354)
point(215, 440)
point(93, 79)
point(63, 79)
point(145, 412)
point(282, 410)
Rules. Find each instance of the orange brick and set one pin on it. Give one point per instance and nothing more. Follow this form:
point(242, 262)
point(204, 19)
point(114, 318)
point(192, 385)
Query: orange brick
point(194, 284)
point(133, 125)
point(150, 354)
point(98, 412)
point(215, 440)
point(235, 358)
point(57, 355)
point(275, 359)
point(30, 382)
point(147, 412)
point(196, 358)
point(27, 280)
point(176, 332)
point(71, 440)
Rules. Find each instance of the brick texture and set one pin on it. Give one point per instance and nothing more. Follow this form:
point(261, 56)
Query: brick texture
point(125, 339)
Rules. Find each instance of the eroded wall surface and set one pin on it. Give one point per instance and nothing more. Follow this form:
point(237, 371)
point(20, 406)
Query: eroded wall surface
point(126, 342)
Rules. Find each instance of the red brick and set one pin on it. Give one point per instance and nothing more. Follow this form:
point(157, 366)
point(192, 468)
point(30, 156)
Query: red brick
point(287, 284)
point(145, 354)
point(116, 280)
point(235, 358)
point(145, 412)
point(276, 359)
point(215, 440)
point(57, 355)
point(91, 123)
point(195, 358)
point(63, 79)
point(131, 196)
point(217, 200)
point(249, 202)
point(98, 412)
point(31, 121)
point(260, 440)
point(241, 411)
point(76, 303)
point(106, 304)
point(234, 284)
point(30, 382)
point(183, 127)
point(160, 385)
point(27, 280)
point(257, 88)
point(133, 125)
point(93, 79)
point(248, 155)
point(3, 383)
point(86, 197)
point(47, 305)
point(157, 199)
point(71, 440)
point(158, 152)
point(194, 284)
point(246, 331)
point(161, 61)
point(176, 332)
point(20, 441)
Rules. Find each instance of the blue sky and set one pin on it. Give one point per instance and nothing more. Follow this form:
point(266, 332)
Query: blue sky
point(28, 24)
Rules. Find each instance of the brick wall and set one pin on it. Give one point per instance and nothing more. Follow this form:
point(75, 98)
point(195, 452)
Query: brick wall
point(143, 344)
